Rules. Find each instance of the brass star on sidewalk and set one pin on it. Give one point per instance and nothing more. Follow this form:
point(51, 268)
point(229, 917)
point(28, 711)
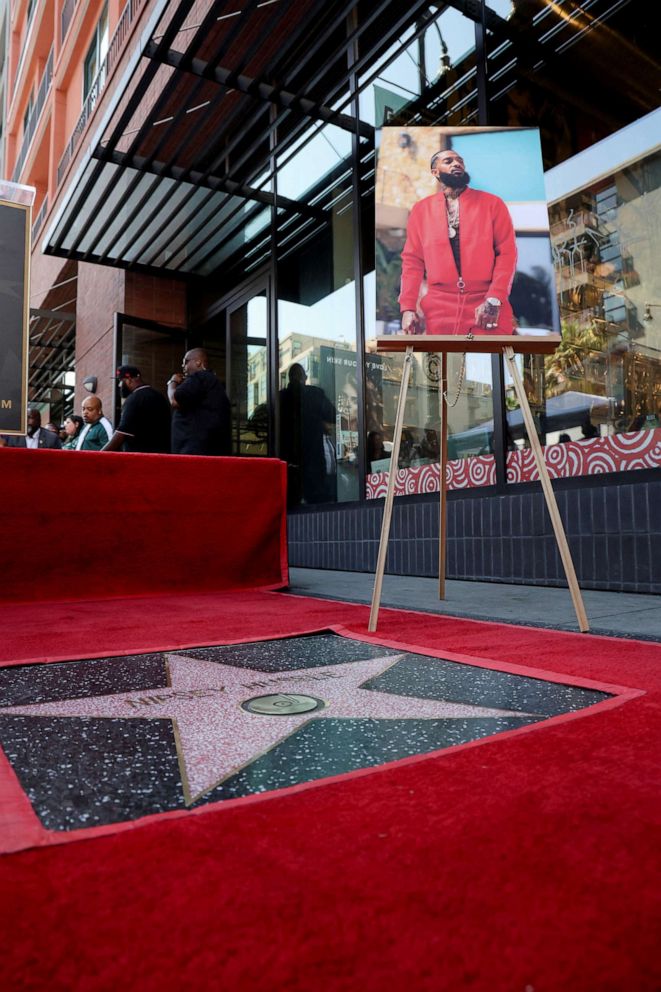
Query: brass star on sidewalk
point(217, 735)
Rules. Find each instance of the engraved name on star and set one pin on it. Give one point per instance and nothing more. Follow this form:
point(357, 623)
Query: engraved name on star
point(216, 737)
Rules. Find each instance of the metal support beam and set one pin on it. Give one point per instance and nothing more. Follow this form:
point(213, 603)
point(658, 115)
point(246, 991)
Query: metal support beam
point(258, 91)
point(221, 184)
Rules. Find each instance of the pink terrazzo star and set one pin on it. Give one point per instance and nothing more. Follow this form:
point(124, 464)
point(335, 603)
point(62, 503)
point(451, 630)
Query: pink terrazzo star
point(216, 737)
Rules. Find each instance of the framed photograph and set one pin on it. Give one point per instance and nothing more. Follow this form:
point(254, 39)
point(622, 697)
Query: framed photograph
point(463, 251)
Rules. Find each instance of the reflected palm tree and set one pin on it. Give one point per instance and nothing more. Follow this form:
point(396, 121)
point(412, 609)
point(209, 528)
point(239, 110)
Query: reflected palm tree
point(567, 361)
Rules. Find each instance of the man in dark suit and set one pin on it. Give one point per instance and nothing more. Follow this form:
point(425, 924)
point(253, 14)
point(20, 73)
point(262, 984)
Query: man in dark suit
point(307, 417)
point(37, 436)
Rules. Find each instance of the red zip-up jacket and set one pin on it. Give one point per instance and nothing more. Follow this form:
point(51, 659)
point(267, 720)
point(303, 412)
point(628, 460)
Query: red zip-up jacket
point(487, 245)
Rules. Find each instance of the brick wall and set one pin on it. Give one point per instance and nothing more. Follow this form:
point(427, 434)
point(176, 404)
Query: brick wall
point(100, 296)
point(102, 292)
point(614, 532)
point(155, 298)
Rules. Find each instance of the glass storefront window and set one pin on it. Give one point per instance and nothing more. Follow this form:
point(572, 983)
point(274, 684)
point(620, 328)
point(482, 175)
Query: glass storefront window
point(400, 64)
point(470, 419)
point(604, 380)
point(318, 383)
point(606, 244)
point(420, 76)
point(538, 51)
point(470, 410)
point(315, 154)
point(248, 335)
point(156, 351)
point(501, 7)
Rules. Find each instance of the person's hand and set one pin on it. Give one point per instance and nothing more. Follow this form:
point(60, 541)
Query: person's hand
point(175, 379)
point(410, 322)
point(486, 316)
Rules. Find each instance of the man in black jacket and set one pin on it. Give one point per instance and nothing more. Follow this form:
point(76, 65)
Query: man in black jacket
point(201, 419)
point(145, 419)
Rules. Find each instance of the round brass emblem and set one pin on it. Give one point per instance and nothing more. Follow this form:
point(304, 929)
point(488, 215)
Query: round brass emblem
point(282, 704)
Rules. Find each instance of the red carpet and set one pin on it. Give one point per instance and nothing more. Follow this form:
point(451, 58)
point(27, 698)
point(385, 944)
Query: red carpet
point(134, 524)
point(525, 862)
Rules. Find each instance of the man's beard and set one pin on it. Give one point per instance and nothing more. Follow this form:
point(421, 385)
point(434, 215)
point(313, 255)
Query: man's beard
point(457, 181)
point(124, 390)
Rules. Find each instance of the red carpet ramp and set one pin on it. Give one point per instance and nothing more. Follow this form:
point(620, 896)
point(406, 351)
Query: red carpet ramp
point(92, 525)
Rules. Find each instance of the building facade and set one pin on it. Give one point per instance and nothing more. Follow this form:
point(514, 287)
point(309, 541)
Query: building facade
point(205, 175)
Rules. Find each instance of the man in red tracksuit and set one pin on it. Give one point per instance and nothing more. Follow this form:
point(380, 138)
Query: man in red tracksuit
point(463, 240)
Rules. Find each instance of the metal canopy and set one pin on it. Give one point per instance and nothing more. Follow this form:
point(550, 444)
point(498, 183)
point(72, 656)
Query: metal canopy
point(179, 176)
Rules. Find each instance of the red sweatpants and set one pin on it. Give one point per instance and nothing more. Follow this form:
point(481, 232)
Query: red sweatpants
point(449, 311)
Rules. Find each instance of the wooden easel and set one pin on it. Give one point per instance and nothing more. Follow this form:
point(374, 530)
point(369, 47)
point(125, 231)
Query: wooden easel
point(507, 345)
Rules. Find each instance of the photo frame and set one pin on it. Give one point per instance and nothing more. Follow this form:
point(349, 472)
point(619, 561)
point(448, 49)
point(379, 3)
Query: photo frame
point(463, 249)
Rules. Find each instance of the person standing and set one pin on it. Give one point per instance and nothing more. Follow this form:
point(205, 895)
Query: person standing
point(201, 419)
point(145, 421)
point(97, 430)
point(463, 240)
point(73, 425)
point(306, 418)
point(36, 437)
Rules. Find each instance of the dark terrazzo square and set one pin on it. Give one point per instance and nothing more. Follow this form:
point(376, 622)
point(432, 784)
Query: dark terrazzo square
point(24, 684)
point(435, 678)
point(87, 772)
point(290, 653)
point(326, 747)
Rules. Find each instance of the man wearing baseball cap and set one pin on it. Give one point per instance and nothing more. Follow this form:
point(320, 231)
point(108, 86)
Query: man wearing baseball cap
point(145, 420)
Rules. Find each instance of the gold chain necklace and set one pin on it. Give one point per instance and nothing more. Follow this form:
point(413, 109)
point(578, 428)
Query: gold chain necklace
point(452, 207)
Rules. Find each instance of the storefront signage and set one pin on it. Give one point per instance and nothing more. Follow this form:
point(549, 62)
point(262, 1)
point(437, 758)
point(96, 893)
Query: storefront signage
point(15, 217)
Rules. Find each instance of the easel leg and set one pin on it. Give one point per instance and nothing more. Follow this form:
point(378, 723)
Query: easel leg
point(549, 495)
point(443, 514)
point(390, 492)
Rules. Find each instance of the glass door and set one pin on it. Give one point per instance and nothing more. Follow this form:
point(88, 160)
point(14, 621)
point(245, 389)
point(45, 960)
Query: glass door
point(248, 373)
point(155, 349)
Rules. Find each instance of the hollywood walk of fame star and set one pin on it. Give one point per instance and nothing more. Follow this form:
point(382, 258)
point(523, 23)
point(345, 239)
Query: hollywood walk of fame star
point(217, 737)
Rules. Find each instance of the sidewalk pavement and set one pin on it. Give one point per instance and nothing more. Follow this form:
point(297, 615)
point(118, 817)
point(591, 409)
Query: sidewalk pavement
point(617, 614)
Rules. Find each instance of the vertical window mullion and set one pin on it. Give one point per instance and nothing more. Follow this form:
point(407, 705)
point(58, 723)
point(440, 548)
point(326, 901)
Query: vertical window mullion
point(352, 57)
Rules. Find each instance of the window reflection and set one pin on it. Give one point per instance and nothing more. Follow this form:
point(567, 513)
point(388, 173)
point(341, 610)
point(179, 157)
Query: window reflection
point(605, 378)
point(565, 45)
point(420, 444)
point(318, 397)
point(249, 376)
point(319, 436)
point(470, 412)
point(427, 77)
point(470, 419)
